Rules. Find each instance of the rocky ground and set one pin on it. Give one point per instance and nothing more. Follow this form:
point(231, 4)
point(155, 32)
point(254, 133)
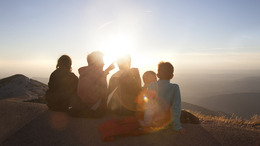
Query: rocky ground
point(232, 135)
point(34, 124)
point(21, 87)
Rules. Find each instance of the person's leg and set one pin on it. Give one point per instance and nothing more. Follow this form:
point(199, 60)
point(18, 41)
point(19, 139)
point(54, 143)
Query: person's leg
point(101, 110)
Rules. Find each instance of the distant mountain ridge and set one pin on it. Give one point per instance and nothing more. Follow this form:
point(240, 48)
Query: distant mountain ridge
point(241, 104)
point(195, 87)
point(21, 86)
point(41, 79)
point(202, 110)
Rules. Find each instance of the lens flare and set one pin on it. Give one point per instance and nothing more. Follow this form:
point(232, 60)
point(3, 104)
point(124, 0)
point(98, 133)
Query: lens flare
point(145, 99)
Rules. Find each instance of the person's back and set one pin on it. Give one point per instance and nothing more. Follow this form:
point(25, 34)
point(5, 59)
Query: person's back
point(148, 77)
point(114, 81)
point(124, 87)
point(92, 85)
point(129, 87)
point(92, 88)
point(62, 85)
point(164, 100)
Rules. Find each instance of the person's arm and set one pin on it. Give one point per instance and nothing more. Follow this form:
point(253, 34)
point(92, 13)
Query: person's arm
point(111, 67)
point(176, 109)
point(148, 114)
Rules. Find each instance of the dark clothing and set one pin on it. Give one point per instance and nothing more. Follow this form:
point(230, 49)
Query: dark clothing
point(62, 87)
point(124, 87)
point(145, 87)
point(79, 109)
point(92, 92)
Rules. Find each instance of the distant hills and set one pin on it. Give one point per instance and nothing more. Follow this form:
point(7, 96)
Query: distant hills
point(20, 86)
point(236, 93)
point(41, 79)
point(198, 86)
point(241, 104)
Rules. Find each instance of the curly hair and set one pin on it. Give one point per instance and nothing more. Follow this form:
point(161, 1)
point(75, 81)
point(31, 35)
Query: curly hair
point(165, 70)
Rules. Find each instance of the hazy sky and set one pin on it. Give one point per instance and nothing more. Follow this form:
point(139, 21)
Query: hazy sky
point(195, 35)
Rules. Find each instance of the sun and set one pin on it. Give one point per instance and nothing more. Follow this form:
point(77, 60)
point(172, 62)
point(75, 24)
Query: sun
point(116, 46)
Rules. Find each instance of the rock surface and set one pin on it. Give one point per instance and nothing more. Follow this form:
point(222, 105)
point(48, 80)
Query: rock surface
point(56, 128)
point(18, 85)
point(15, 115)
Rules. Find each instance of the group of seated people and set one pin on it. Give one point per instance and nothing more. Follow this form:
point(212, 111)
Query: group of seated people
point(89, 96)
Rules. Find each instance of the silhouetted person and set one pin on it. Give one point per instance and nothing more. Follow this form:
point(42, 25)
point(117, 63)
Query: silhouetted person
point(124, 87)
point(163, 101)
point(92, 88)
point(62, 85)
point(124, 64)
point(148, 77)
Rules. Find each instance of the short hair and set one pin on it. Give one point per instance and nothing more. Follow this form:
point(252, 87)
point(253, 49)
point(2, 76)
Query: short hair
point(147, 75)
point(64, 62)
point(124, 61)
point(95, 58)
point(165, 70)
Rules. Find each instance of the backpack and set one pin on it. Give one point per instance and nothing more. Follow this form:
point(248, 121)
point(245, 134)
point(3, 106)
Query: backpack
point(122, 99)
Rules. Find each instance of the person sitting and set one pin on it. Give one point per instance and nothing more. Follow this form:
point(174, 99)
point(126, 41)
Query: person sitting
point(92, 88)
point(62, 85)
point(148, 77)
point(163, 101)
point(124, 87)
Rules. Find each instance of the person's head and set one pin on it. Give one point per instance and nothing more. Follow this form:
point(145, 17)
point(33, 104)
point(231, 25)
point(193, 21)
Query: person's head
point(64, 62)
point(96, 59)
point(149, 76)
point(124, 63)
point(165, 71)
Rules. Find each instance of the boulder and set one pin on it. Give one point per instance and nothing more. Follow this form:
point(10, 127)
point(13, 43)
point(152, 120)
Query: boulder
point(21, 86)
point(187, 117)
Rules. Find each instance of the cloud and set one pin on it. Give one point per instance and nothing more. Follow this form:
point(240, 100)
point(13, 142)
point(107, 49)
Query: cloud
point(104, 25)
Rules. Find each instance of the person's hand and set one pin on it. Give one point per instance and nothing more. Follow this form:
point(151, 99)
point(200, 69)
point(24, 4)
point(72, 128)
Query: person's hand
point(182, 131)
point(111, 67)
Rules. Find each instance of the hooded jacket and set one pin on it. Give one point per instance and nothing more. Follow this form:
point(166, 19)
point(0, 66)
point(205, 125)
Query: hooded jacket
point(92, 85)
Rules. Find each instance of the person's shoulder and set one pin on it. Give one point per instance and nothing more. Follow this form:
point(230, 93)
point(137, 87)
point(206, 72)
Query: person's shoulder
point(73, 75)
point(117, 74)
point(55, 72)
point(134, 69)
point(82, 68)
point(153, 85)
point(174, 85)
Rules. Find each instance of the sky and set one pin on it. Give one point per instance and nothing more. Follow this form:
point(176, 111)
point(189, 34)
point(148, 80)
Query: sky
point(196, 36)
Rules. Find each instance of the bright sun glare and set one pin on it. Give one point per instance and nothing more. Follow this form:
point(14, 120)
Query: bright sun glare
point(116, 46)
